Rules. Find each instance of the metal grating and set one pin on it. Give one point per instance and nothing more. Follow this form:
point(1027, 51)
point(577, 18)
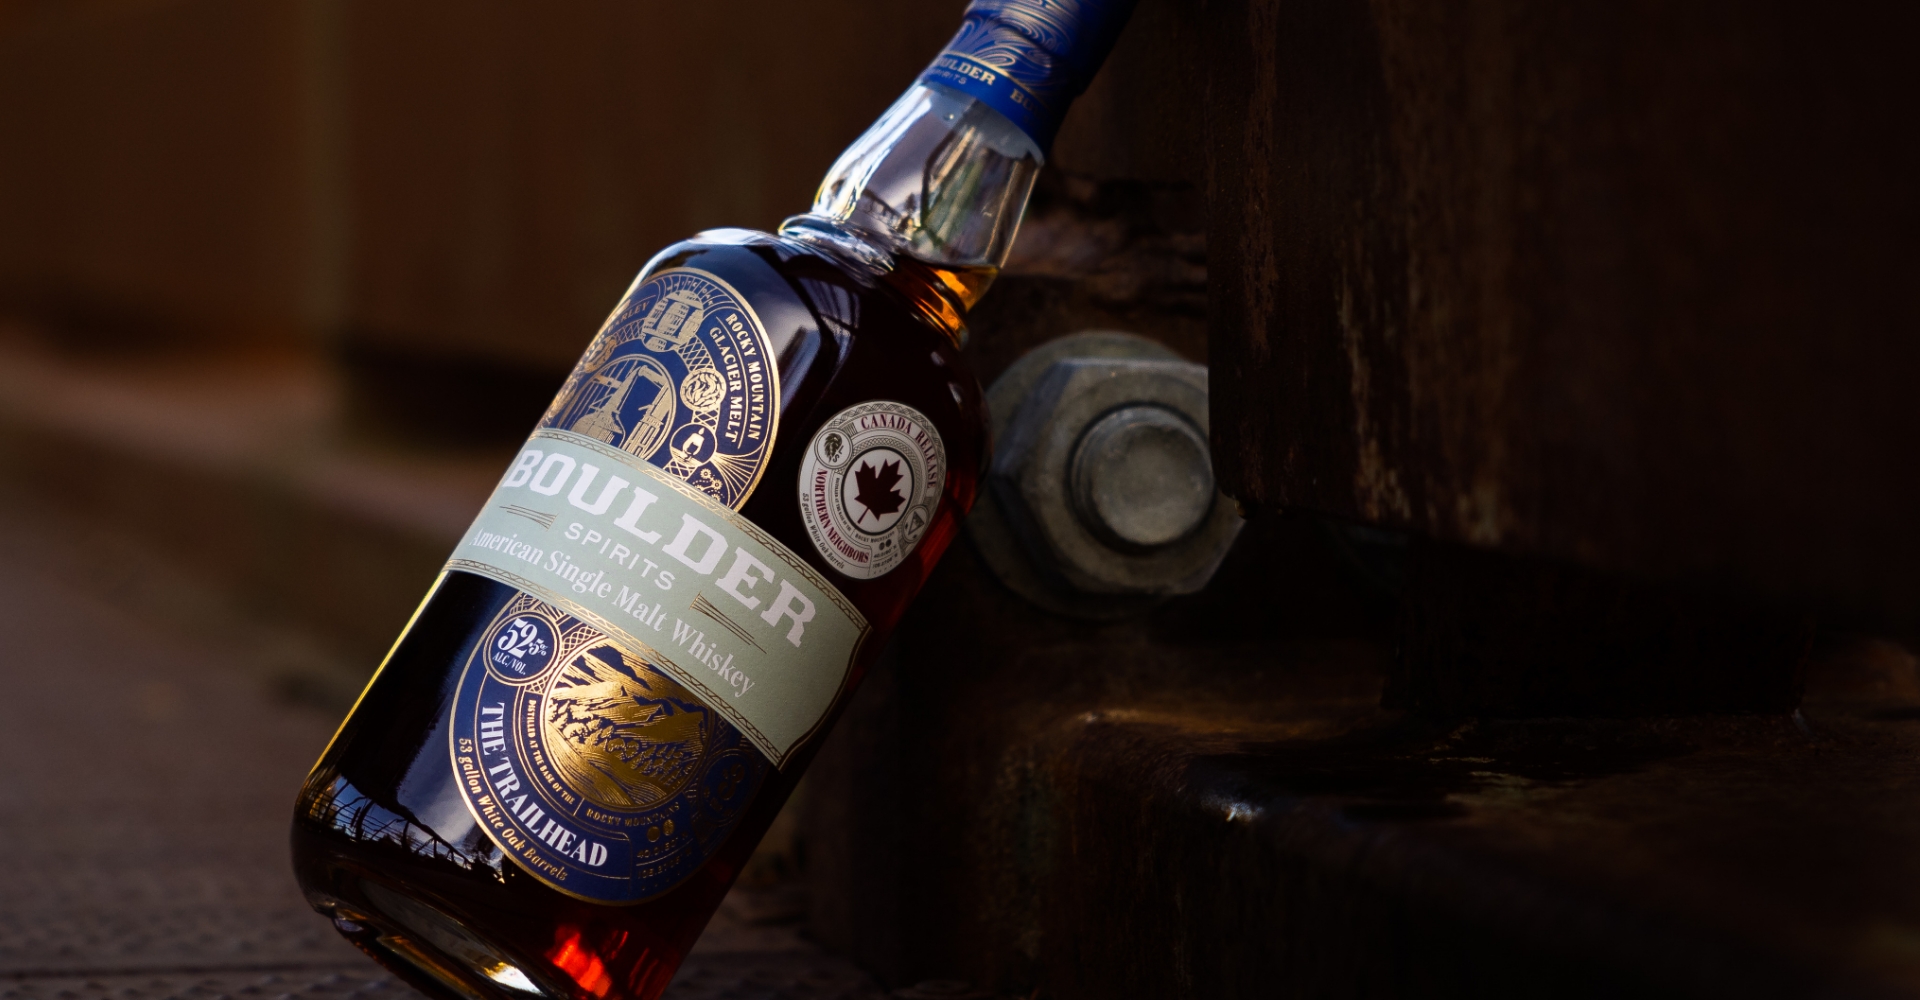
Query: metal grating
point(145, 812)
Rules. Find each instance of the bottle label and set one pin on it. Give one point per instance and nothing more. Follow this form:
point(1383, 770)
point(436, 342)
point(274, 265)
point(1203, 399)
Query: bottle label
point(689, 585)
point(593, 769)
point(619, 713)
point(869, 486)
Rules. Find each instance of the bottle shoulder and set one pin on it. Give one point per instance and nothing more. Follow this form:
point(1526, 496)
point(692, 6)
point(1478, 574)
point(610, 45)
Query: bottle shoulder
point(843, 328)
point(815, 254)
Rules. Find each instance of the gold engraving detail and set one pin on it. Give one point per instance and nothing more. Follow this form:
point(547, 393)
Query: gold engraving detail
point(702, 389)
point(672, 321)
point(623, 739)
point(602, 421)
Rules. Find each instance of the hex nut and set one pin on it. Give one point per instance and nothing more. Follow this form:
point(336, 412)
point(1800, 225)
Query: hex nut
point(1103, 473)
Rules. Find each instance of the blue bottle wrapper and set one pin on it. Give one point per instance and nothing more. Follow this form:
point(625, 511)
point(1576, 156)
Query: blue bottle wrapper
point(1028, 59)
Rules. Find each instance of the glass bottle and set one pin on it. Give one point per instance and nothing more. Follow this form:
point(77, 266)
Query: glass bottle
point(607, 696)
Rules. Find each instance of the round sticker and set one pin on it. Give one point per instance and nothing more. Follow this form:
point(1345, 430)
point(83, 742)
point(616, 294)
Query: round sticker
point(870, 484)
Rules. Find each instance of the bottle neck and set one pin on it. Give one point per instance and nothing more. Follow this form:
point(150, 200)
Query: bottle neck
point(931, 197)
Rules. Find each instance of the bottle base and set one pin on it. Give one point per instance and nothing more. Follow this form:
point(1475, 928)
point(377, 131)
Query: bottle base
point(430, 950)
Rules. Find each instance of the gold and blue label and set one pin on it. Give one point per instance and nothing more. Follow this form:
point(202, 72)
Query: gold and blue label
point(1028, 59)
point(588, 765)
point(661, 653)
point(680, 377)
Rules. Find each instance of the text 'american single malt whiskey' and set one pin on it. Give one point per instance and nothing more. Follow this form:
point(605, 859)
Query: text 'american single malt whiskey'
point(631, 655)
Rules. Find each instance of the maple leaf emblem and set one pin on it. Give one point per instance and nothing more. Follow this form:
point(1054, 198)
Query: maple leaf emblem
point(876, 489)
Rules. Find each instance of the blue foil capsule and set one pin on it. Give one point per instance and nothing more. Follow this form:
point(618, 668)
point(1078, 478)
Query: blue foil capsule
point(1029, 59)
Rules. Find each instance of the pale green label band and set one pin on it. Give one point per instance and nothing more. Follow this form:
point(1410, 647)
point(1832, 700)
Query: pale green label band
point(698, 590)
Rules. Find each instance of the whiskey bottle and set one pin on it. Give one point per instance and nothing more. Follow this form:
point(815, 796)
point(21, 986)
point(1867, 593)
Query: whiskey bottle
point(607, 695)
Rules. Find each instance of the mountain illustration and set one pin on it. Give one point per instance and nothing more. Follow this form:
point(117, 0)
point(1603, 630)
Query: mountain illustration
point(622, 737)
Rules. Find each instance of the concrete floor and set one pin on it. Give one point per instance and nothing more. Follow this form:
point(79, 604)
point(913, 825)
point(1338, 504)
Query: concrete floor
point(146, 838)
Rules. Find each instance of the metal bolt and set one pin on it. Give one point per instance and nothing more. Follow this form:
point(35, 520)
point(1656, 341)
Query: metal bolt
point(1101, 499)
point(1141, 477)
